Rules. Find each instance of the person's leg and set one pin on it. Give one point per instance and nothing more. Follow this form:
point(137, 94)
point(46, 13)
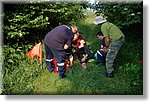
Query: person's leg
point(104, 59)
point(80, 55)
point(101, 55)
point(114, 48)
point(60, 58)
point(88, 51)
point(49, 59)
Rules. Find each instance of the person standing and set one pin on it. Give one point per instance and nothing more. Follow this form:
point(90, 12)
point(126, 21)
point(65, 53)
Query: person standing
point(116, 39)
point(56, 41)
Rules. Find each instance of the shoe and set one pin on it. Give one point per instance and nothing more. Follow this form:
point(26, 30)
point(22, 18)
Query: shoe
point(51, 70)
point(109, 75)
point(61, 77)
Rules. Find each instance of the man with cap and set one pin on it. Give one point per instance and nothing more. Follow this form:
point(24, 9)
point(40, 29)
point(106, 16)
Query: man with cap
point(56, 42)
point(116, 39)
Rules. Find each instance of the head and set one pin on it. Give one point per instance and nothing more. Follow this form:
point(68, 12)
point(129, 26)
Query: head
point(75, 32)
point(100, 35)
point(99, 20)
point(74, 29)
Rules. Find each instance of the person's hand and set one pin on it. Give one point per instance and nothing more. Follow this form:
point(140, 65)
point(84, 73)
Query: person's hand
point(65, 46)
point(83, 60)
point(105, 50)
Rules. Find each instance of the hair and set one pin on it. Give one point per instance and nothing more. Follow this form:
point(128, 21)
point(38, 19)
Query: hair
point(75, 27)
point(99, 33)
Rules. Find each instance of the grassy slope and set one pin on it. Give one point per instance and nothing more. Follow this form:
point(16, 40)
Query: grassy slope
point(92, 80)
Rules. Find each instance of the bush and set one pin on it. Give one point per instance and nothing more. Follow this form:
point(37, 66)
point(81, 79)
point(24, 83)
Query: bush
point(19, 71)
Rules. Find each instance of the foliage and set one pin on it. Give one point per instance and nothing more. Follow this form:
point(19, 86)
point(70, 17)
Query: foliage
point(26, 24)
point(28, 20)
point(18, 70)
point(121, 14)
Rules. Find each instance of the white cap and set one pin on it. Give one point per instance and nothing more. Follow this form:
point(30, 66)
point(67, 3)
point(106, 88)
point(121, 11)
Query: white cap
point(99, 20)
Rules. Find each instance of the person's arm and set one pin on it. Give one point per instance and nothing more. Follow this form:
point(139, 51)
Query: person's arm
point(71, 60)
point(105, 30)
point(107, 42)
point(82, 42)
point(68, 42)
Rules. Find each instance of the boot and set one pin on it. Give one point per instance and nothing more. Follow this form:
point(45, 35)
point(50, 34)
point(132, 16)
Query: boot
point(110, 75)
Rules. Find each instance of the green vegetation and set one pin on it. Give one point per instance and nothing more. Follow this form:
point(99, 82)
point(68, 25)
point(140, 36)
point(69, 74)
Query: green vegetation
point(22, 75)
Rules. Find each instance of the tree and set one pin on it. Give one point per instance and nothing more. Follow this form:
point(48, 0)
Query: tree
point(121, 14)
point(33, 20)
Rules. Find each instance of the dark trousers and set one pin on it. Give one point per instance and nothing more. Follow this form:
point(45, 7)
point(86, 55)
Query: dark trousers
point(60, 58)
point(101, 56)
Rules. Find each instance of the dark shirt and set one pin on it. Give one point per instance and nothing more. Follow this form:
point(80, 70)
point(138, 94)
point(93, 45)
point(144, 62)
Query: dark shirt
point(58, 37)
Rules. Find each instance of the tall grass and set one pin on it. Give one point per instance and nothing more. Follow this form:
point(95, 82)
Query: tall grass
point(19, 71)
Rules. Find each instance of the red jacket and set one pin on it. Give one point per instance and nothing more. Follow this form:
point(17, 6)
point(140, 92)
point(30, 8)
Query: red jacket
point(76, 42)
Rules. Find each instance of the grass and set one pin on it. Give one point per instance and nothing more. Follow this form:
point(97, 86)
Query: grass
point(29, 77)
point(93, 80)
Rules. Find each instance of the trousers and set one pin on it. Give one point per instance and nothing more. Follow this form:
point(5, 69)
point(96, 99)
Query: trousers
point(60, 58)
point(113, 50)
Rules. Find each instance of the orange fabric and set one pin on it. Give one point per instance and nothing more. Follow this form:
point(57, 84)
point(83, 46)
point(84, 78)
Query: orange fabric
point(36, 51)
